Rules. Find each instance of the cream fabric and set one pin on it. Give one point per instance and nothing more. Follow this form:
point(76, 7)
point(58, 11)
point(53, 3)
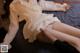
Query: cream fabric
point(31, 30)
point(31, 12)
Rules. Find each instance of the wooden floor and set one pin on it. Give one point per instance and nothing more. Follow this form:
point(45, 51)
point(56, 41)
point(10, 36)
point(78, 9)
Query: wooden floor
point(4, 14)
point(1, 7)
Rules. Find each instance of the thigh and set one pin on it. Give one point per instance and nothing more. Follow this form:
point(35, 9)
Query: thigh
point(66, 29)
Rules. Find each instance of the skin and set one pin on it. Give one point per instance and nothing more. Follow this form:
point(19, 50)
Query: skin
point(66, 29)
point(53, 6)
point(54, 32)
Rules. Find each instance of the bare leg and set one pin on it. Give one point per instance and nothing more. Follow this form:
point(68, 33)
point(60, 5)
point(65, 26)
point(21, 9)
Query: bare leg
point(53, 6)
point(74, 41)
point(66, 29)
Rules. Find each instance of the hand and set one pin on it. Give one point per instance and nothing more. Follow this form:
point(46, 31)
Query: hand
point(65, 6)
point(9, 46)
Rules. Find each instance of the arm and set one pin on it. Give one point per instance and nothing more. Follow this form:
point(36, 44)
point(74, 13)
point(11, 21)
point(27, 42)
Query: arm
point(13, 28)
point(53, 6)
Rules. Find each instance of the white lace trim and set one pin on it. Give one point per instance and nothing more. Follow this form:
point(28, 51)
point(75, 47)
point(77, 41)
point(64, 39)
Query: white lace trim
point(43, 21)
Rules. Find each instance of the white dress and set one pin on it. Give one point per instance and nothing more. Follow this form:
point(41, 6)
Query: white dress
point(35, 19)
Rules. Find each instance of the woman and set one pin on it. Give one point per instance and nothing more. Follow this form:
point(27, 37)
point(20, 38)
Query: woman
point(36, 21)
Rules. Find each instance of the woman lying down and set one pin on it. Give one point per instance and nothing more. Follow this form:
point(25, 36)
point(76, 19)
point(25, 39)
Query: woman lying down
point(36, 22)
